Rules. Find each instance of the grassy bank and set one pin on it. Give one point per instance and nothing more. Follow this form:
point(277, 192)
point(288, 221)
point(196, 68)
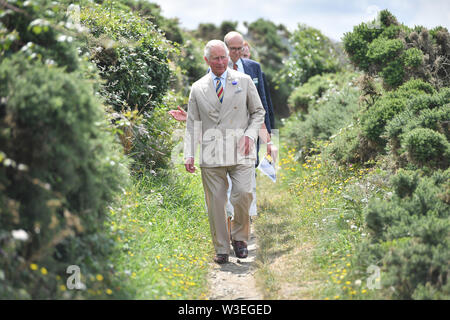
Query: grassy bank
point(309, 227)
point(163, 234)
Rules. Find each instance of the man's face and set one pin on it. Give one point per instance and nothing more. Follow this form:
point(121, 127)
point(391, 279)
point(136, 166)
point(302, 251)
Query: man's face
point(218, 60)
point(235, 46)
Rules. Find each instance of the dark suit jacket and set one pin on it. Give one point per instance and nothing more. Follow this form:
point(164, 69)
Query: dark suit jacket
point(269, 103)
point(253, 69)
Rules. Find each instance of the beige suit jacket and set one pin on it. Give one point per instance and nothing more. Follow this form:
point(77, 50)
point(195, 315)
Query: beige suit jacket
point(217, 127)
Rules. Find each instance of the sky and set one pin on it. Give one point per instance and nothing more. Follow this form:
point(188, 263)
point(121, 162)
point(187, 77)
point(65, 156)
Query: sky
point(332, 17)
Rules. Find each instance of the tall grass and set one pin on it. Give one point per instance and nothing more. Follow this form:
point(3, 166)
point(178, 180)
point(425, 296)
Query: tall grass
point(163, 236)
point(310, 226)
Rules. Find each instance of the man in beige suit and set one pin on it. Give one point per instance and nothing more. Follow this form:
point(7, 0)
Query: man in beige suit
point(225, 114)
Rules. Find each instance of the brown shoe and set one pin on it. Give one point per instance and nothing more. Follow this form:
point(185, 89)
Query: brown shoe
point(240, 249)
point(221, 258)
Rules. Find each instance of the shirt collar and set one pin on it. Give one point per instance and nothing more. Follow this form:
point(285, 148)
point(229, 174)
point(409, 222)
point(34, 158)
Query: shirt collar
point(240, 65)
point(223, 77)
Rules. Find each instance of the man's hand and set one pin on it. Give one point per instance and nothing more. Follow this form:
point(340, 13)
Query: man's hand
point(189, 165)
point(263, 134)
point(272, 150)
point(245, 145)
point(179, 115)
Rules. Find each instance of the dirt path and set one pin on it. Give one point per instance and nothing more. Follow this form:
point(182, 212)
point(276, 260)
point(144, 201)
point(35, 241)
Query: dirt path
point(235, 280)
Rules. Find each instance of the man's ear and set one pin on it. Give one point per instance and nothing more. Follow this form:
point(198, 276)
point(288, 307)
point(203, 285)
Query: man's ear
point(206, 59)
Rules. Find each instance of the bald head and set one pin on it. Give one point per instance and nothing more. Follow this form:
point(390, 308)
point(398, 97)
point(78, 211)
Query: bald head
point(235, 43)
point(233, 35)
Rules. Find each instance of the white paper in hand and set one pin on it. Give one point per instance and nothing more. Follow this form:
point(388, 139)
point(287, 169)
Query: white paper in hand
point(268, 169)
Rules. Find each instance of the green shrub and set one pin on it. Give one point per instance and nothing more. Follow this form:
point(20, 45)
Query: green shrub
point(381, 50)
point(60, 167)
point(427, 147)
point(152, 137)
point(397, 53)
point(328, 113)
point(59, 163)
point(414, 88)
point(434, 119)
point(430, 111)
point(131, 55)
point(425, 102)
point(374, 120)
point(409, 235)
point(313, 54)
point(191, 62)
point(405, 182)
point(306, 95)
point(345, 146)
point(413, 58)
point(356, 43)
point(393, 74)
point(133, 59)
point(26, 27)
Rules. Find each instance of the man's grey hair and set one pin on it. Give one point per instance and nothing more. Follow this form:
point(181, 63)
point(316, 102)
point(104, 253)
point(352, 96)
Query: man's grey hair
point(214, 43)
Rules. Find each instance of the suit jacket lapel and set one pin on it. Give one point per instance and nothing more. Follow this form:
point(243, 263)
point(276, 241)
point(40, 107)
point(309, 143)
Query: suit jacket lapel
point(230, 93)
point(246, 70)
point(210, 92)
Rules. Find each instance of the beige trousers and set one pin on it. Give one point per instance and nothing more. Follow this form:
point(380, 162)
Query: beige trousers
point(215, 185)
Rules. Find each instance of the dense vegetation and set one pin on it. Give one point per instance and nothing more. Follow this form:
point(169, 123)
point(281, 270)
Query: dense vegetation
point(61, 165)
point(85, 148)
point(396, 118)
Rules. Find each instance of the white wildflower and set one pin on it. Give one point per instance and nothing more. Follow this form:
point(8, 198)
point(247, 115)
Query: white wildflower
point(20, 235)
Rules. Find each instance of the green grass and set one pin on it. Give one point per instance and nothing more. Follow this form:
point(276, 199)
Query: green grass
point(309, 228)
point(162, 232)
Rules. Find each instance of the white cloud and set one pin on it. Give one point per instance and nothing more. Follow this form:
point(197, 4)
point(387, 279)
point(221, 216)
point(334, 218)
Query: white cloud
point(332, 17)
point(431, 14)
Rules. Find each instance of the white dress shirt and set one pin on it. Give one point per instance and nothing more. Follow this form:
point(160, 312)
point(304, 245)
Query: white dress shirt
point(240, 66)
point(223, 79)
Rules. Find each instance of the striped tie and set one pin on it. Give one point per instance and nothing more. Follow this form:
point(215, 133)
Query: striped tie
point(219, 89)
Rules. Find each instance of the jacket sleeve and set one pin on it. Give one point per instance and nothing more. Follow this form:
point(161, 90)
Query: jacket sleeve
point(263, 96)
point(193, 127)
point(255, 109)
point(269, 103)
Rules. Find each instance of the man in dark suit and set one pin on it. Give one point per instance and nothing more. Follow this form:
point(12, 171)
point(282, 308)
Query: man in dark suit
point(246, 54)
point(235, 44)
